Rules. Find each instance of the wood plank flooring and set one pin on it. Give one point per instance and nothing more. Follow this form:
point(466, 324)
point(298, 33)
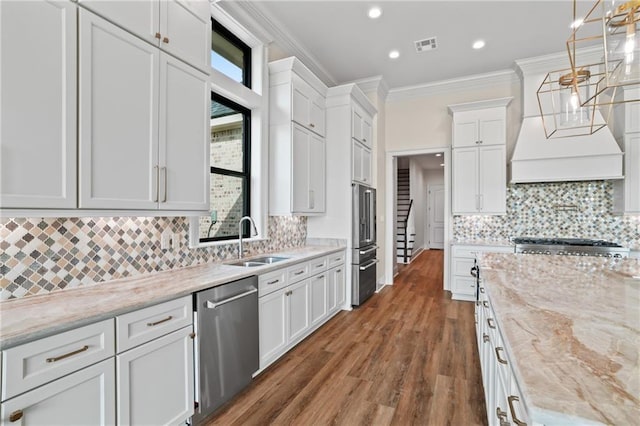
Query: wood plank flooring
point(407, 356)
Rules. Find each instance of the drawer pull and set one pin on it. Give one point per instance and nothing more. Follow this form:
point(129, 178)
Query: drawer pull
point(485, 337)
point(485, 304)
point(502, 417)
point(500, 360)
point(158, 36)
point(510, 399)
point(321, 277)
point(491, 323)
point(338, 270)
point(192, 335)
point(299, 272)
point(289, 293)
point(320, 265)
point(312, 125)
point(337, 259)
point(273, 282)
point(61, 357)
point(165, 40)
point(15, 416)
point(151, 324)
point(481, 289)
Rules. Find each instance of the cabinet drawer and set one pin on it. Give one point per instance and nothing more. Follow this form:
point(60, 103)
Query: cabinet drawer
point(464, 286)
point(298, 272)
point(272, 281)
point(468, 252)
point(335, 259)
point(317, 265)
point(149, 323)
point(33, 364)
point(462, 267)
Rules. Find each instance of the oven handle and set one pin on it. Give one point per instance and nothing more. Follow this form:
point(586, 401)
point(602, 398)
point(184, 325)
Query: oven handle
point(372, 249)
point(213, 305)
point(369, 265)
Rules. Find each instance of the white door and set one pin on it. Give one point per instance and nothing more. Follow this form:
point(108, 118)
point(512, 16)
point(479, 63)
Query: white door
point(493, 179)
point(464, 191)
point(118, 117)
point(155, 381)
point(436, 216)
point(184, 136)
point(298, 310)
point(300, 176)
point(38, 104)
point(185, 29)
point(316, 166)
point(86, 397)
point(319, 300)
point(273, 323)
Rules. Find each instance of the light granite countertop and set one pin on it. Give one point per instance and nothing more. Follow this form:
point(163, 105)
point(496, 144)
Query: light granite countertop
point(571, 326)
point(481, 242)
point(29, 318)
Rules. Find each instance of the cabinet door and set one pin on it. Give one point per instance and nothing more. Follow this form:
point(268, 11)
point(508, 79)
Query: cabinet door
point(38, 104)
point(366, 166)
point(316, 167)
point(341, 289)
point(86, 397)
point(367, 131)
point(317, 113)
point(331, 291)
point(319, 298)
point(298, 301)
point(155, 381)
point(356, 161)
point(273, 321)
point(492, 131)
point(356, 123)
point(493, 179)
point(118, 117)
point(184, 136)
point(465, 133)
point(300, 193)
point(141, 17)
point(465, 180)
point(185, 27)
point(301, 99)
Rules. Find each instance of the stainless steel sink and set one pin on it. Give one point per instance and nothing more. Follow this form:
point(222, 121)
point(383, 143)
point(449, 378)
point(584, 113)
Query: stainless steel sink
point(259, 261)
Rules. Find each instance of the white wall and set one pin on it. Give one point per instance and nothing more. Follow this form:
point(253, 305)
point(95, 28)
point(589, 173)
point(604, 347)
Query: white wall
point(417, 191)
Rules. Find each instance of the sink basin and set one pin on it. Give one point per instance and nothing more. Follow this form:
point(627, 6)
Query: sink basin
point(259, 261)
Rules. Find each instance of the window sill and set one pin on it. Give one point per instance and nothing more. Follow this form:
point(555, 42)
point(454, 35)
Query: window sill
point(225, 242)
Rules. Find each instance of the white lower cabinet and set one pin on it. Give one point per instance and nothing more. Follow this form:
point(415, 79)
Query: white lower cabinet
point(310, 295)
point(86, 397)
point(155, 381)
point(463, 284)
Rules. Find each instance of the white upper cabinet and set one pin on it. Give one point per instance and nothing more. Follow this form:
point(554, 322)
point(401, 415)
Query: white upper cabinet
point(626, 196)
point(297, 165)
point(38, 104)
point(149, 151)
point(479, 175)
point(181, 28)
point(362, 128)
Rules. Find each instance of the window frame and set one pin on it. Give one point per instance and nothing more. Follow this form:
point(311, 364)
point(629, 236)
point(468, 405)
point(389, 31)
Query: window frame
point(246, 167)
point(236, 42)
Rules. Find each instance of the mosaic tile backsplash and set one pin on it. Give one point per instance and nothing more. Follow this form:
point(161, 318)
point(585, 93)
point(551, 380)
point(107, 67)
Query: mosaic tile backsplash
point(43, 255)
point(566, 209)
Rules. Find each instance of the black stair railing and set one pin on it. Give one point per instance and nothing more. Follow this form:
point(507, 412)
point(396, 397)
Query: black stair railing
point(406, 237)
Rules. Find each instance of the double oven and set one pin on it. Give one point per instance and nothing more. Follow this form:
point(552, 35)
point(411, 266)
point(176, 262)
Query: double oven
point(364, 248)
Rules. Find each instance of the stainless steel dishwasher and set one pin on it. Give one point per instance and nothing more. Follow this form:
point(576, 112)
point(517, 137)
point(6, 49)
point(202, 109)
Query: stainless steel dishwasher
point(227, 343)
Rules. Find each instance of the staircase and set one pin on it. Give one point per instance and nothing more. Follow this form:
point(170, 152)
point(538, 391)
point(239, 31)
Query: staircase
point(404, 241)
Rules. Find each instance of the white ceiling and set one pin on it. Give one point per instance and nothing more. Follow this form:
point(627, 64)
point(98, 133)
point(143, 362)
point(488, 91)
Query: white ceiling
point(342, 44)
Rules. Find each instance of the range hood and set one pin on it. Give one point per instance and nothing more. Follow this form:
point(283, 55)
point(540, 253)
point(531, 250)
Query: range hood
point(576, 158)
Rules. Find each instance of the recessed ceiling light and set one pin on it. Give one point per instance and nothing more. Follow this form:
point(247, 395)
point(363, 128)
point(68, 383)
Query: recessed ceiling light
point(394, 54)
point(375, 12)
point(438, 155)
point(441, 164)
point(478, 44)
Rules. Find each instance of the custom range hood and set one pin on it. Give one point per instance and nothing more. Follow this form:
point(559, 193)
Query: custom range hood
point(575, 158)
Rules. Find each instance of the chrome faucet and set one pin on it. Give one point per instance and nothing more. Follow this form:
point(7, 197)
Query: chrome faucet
point(255, 232)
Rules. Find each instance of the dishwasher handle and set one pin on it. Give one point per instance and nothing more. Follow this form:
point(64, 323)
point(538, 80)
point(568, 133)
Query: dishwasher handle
point(213, 305)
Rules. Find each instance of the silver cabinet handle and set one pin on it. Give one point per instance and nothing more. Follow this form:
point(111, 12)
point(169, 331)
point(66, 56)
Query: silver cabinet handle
point(61, 357)
point(320, 265)
point(491, 323)
point(312, 202)
point(213, 305)
point(510, 399)
point(338, 270)
point(152, 324)
point(369, 265)
point(273, 282)
point(480, 197)
point(157, 173)
point(321, 277)
point(299, 272)
point(500, 360)
point(485, 304)
point(367, 251)
point(164, 200)
point(485, 337)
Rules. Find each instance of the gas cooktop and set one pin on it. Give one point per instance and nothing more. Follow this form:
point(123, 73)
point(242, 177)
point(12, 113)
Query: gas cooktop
point(569, 247)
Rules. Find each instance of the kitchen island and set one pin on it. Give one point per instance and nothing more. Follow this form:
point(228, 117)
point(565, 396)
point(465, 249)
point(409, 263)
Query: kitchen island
point(571, 329)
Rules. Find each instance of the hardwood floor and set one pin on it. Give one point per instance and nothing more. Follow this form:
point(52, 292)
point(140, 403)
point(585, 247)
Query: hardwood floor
point(407, 356)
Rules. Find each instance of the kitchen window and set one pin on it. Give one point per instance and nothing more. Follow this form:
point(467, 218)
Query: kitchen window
point(230, 167)
point(238, 141)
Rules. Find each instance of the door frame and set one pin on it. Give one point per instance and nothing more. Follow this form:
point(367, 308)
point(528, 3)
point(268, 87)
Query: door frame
point(427, 223)
point(390, 213)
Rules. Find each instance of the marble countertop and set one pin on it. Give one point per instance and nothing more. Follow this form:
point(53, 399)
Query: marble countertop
point(571, 326)
point(29, 318)
point(480, 242)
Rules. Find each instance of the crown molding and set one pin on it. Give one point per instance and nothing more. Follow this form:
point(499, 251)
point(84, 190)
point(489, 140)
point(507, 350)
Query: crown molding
point(472, 106)
point(281, 37)
point(343, 94)
point(557, 61)
point(375, 84)
point(471, 82)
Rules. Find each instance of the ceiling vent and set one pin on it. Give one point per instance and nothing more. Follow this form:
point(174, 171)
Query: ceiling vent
point(426, 45)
